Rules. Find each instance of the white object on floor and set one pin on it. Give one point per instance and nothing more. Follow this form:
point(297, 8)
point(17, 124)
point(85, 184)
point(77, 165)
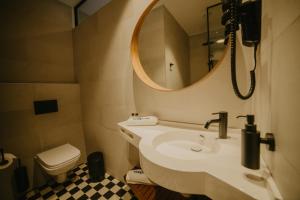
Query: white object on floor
point(137, 176)
point(142, 121)
point(58, 161)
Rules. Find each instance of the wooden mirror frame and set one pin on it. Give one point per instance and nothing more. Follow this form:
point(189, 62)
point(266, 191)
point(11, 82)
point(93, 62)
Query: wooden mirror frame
point(136, 62)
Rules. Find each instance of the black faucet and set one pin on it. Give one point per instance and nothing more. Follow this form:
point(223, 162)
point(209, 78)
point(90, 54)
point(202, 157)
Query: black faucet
point(223, 120)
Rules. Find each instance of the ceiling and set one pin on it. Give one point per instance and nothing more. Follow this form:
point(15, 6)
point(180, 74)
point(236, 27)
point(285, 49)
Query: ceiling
point(71, 3)
point(190, 14)
point(89, 7)
point(92, 6)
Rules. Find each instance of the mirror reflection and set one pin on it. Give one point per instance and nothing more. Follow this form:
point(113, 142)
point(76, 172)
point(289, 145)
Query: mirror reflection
point(181, 41)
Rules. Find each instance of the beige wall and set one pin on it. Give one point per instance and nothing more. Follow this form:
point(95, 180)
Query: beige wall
point(162, 41)
point(177, 52)
point(152, 46)
point(110, 93)
point(25, 134)
point(198, 57)
point(276, 103)
point(36, 48)
point(103, 63)
point(36, 41)
point(276, 100)
point(197, 102)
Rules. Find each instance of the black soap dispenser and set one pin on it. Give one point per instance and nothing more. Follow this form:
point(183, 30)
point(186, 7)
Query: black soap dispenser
point(250, 140)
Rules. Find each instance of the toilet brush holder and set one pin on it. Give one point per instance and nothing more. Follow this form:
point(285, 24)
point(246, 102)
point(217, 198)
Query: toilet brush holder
point(2, 160)
point(21, 178)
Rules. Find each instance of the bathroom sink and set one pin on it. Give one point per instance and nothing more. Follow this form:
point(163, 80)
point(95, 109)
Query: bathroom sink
point(185, 146)
point(193, 162)
point(182, 155)
point(196, 161)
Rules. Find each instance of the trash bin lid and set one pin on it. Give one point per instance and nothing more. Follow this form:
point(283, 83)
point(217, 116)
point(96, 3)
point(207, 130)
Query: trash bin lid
point(95, 156)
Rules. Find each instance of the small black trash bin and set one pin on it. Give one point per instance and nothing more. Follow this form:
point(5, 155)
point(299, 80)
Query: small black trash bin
point(96, 166)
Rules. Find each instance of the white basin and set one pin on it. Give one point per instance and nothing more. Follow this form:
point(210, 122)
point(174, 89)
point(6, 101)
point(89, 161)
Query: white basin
point(185, 146)
point(195, 162)
point(169, 160)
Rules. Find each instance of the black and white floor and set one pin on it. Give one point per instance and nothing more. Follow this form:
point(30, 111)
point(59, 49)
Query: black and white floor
point(80, 187)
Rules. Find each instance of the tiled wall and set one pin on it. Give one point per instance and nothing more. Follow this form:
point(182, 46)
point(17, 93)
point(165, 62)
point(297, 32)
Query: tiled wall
point(278, 91)
point(25, 134)
point(198, 57)
point(103, 65)
point(157, 54)
point(36, 41)
point(176, 52)
point(36, 47)
point(195, 104)
point(102, 60)
point(152, 52)
point(110, 91)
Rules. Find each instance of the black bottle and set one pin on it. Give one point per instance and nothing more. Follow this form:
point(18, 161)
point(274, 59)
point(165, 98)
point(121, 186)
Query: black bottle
point(250, 140)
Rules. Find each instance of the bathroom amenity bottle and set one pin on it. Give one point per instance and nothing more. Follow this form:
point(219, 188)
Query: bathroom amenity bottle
point(250, 144)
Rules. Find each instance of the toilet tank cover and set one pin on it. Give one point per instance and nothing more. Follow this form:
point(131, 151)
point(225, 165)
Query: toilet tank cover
point(58, 155)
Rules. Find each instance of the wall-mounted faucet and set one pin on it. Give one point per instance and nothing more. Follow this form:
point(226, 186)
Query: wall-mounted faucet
point(223, 120)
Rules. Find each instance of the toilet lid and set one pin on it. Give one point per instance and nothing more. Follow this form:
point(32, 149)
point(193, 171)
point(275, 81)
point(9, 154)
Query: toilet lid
point(58, 155)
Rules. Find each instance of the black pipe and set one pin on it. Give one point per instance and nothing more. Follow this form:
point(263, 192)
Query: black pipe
point(233, 27)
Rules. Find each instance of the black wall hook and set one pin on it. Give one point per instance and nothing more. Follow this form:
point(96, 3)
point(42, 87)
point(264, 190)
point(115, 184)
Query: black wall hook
point(269, 140)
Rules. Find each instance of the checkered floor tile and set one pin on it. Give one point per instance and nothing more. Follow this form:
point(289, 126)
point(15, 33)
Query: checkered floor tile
point(80, 187)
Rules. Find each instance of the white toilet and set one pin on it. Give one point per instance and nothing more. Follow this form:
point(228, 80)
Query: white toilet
point(58, 161)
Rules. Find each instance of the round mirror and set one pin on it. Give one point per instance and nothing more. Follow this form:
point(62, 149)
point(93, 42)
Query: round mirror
point(176, 43)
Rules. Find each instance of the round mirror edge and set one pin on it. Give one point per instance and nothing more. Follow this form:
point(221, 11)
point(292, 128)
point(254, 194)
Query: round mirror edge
point(138, 67)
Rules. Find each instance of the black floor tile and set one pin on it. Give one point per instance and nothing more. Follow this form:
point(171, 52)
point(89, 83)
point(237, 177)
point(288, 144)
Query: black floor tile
point(58, 190)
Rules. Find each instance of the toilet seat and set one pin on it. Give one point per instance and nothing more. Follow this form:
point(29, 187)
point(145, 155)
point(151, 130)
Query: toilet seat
point(59, 156)
point(60, 166)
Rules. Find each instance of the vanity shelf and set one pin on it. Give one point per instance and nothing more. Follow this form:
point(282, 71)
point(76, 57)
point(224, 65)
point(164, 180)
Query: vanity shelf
point(149, 192)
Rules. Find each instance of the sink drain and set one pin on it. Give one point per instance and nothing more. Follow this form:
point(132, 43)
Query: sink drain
point(196, 149)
